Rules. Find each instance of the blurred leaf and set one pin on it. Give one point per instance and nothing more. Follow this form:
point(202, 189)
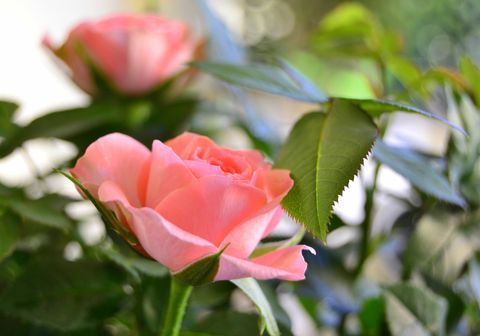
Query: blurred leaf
point(253, 290)
point(349, 30)
point(371, 316)
point(7, 109)
point(265, 78)
point(9, 233)
point(227, 323)
point(412, 310)
point(323, 153)
point(404, 70)
point(474, 278)
point(418, 170)
point(438, 248)
point(456, 306)
point(472, 73)
point(135, 265)
point(62, 125)
point(43, 211)
point(63, 295)
point(378, 107)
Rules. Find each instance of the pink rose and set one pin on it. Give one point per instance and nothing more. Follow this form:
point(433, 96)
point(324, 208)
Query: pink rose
point(134, 53)
point(188, 199)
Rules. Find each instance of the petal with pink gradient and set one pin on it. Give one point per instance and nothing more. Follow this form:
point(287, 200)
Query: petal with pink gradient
point(244, 238)
point(187, 143)
point(115, 157)
point(167, 243)
point(286, 264)
point(163, 241)
point(212, 206)
point(166, 173)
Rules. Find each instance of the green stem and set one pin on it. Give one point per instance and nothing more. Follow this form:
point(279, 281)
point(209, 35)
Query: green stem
point(177, 304)
point(367, 223)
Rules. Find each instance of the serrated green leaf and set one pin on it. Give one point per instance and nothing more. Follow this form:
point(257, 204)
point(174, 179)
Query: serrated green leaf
point(9, 233)
point(253, 290)
point(412, 310)
point(323, 152)
point(265, 78)
point(202, 271)
point(418, 170)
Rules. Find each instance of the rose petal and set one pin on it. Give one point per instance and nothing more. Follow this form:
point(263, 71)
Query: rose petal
point(211, 207)
point(276, 183)
point(187, 143)
point(166, 173)
point(243, 239)
point(163, 241)
point(114, 157)
point(286, 264)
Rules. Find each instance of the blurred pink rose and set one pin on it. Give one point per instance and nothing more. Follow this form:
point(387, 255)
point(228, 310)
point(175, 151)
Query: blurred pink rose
point(189, 198)
point(134, 53)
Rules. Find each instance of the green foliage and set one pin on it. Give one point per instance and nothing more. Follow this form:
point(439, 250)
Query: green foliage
point(372, 316)
point(323, 153)
point(9, 233)
point(420, 171)
point(63, 295)
point(253, 290)
point(7, 110)
point(285, 82)
point(438, 247)
point(412, 310)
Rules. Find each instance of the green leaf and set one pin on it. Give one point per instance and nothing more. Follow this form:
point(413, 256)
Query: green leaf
point(419, 171)
point(226, 323)
point(377, 107)
point(7, 109)
point(9, 233)
point(202, 271)
point(371, 316)
point(253, 290)
point(472, 73)
point(474, 279)
point(265, 78)
point(135, 265)
point(323, 152)
point(63, 295)
point(63, 125)
point(41, 211)
point(438, 248)
point(412, 310)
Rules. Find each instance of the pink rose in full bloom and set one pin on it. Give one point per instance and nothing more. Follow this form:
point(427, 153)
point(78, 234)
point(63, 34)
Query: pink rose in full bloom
point(133, 53)
point(189, 198)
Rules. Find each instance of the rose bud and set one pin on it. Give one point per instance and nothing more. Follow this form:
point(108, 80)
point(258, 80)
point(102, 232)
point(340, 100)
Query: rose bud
point(197, 208)
point(132, 54)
